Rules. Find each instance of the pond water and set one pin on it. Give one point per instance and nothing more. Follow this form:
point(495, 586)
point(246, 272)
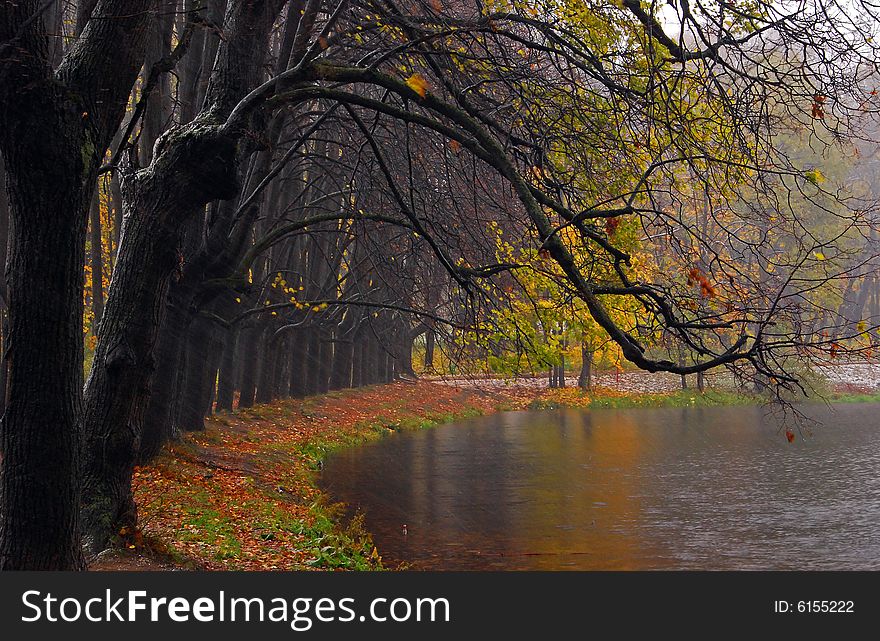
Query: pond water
point(683, 488)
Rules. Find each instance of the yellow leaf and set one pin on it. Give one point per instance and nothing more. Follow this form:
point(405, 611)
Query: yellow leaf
point(819, 255)
point(814, 176)
point(417, 83)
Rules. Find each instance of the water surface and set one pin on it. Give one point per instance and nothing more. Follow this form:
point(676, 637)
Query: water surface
point(683, 488)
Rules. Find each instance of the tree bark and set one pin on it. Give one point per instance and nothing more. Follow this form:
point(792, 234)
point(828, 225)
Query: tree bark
point(343, 356)
point(198, 375)
point(160, 415)
point(248, 355)
point(325, 361)
point(4, 316)
point(310, 367)
point(429, 349)
point(42, 139)
point(297, 364)
point(585, 380)
point(228, 370)
point(268, 354)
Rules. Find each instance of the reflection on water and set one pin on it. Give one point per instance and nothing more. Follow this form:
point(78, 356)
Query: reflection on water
point(694, 488)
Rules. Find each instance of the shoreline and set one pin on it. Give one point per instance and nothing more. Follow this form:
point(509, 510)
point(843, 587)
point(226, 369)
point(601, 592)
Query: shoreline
point(242, 495)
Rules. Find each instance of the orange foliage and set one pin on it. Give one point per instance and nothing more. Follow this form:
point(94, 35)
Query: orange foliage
point(697, 277)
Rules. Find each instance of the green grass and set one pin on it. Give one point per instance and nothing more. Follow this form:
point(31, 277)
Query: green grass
point(681, 398)
point(207, 525)
point(337, 545)
point(694, 398)
point(847, 397)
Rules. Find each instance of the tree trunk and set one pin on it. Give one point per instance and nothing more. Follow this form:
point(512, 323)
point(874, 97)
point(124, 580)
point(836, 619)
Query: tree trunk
point(310, 369)
point(370, 366)
point(4, 316)
point(268, 354)
point(228, 370)
point(281, 376)
point(160, 415)
point(585, 380)
point(343, 356)
point(404, 364)
point(429, 349)
point(248, 355)
point(325, 361)
point(209, 389)
point(119, 382)
point(199, 343)
point(297, 364)
point(49, 190)
point(358, 356)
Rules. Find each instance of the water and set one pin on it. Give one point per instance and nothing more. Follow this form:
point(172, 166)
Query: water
point(692, 488)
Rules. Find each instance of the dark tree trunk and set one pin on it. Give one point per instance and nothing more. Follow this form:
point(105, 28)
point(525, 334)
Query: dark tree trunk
point(4, 316)
point(199, 344)
point(371, 359)
point(119, 382)
point(357, 367)
point(209, 393)
point(248, 355)
point(4, 368)
point(160, 415)
point(42, 139)
point(158, 108)
point(325, 361)
point(429, 349)
point(343, 356)
point(585, 380)
point(281, 376)
point(298, 355)
point(268, 354)
point(404, 361)
point(310, 368)
point(228, 370)
point(384, 363)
